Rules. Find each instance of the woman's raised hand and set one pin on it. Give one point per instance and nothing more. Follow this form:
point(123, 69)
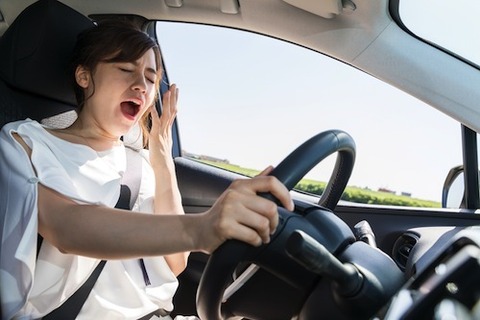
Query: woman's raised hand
point(160, 137)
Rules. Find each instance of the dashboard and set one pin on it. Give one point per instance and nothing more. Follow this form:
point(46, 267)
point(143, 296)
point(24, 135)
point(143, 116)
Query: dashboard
point(444, 278)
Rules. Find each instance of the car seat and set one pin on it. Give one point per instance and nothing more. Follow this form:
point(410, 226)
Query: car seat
point(34, 63)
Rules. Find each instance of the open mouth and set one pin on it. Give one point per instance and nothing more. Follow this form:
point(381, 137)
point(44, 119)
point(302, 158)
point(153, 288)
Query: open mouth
point(130, 108)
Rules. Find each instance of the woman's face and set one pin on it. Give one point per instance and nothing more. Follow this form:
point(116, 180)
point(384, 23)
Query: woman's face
point(122, 93)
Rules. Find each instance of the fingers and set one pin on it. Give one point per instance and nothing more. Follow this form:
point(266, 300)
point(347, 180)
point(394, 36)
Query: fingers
point(254, 203)
point(165, 121)
point(258, 214)
point(279, 193)
point(169, 104)
point(265, 183)
point(245, 216)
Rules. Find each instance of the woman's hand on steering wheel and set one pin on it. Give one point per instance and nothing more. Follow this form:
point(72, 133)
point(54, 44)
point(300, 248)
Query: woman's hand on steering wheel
point(241, 214)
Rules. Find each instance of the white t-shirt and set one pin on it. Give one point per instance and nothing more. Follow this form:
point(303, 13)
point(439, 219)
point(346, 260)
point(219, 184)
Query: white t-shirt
point(32, 288)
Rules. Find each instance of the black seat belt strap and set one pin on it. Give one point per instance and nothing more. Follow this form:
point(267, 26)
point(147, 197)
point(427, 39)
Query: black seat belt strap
point(128, 195)
point(72, 306)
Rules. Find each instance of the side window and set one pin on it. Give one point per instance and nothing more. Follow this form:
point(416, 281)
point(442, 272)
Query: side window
point(247, 101)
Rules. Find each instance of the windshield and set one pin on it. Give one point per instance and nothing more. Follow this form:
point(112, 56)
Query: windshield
point(450, 24)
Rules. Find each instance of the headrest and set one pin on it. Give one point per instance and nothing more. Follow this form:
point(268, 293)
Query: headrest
point(35, 50)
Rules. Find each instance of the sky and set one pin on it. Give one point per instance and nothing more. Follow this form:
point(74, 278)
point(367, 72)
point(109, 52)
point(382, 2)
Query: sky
point(278, 95)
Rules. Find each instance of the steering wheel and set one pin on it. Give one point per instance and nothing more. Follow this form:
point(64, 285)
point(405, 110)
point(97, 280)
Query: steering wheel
point(333, 234)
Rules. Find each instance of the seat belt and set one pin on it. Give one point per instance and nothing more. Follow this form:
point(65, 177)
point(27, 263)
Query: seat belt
point(129, 189)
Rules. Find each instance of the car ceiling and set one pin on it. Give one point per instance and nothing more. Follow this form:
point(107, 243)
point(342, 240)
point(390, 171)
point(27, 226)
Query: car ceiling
point(367, 38)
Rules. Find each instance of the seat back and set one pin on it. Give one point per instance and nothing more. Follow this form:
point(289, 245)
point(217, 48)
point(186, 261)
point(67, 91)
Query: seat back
point(34, 63)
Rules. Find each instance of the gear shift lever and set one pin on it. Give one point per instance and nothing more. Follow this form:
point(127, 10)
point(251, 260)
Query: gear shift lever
point(315, 257)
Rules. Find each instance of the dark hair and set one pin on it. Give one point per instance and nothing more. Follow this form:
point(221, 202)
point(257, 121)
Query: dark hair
point(112, 41)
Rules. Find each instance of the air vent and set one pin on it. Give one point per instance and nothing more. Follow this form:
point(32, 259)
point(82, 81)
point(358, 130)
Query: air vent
point(402, 248)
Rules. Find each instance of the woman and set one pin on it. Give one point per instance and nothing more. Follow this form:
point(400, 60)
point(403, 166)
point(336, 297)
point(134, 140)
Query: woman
point(70, 181)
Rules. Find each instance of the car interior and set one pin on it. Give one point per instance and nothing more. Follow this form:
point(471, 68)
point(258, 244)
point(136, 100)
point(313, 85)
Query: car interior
point(324, 261)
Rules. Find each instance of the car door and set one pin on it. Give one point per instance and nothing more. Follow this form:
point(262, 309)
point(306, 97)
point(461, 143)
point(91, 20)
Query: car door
point(247, 100)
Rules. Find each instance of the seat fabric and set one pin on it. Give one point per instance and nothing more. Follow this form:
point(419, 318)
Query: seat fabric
point(34, 62)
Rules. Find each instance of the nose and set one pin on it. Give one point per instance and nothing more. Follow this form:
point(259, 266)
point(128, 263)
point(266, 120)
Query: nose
point(140, 84)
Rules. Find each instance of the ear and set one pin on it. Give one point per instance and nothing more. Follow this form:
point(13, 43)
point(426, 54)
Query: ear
point(82, 77)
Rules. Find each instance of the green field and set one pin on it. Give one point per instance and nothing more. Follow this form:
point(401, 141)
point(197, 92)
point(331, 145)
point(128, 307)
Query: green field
point(352, 194)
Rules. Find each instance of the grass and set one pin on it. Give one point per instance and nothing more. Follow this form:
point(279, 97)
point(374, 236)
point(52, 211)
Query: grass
point(351, 193)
